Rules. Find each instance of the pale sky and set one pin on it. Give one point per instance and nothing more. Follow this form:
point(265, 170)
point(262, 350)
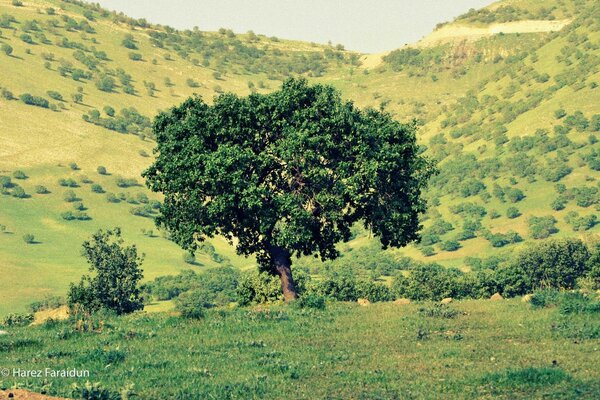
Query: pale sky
point(361, 25)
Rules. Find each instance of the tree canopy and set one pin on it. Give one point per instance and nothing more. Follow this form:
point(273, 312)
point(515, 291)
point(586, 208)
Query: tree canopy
point(286, 173)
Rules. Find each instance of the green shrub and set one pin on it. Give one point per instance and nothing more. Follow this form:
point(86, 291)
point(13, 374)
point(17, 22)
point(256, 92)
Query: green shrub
point(135, 56)
point(19, 192)
point(101, 170)
point(189, 258)
point(192, 304)
point(258, 288)
point(18, 174)
point(550, 264)
point(450, 245)
point(542, 227)
point(17, 320)
point(6, 49)
point(39, 189)
point(374, 292)
point(96, 188)
point(55, 95)
point(341, 286)
point(68, 182)
point(114, 286)
point(427, 282)
point(513, 212)
point(310, 300)
point(48, 303)
point(70, 196)
point(126, 182)
point(29, 238)
point(105, 83)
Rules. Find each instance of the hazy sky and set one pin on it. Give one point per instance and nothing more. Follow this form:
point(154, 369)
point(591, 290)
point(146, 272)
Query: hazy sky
point(362, 25)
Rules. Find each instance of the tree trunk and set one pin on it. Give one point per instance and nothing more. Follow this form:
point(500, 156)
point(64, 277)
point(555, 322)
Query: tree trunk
point(283, 266)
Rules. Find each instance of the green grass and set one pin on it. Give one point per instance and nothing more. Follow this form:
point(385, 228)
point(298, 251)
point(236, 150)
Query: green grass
point(503, 350)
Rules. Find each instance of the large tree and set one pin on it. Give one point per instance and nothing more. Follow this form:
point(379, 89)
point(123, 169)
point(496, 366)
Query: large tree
point(286, 173)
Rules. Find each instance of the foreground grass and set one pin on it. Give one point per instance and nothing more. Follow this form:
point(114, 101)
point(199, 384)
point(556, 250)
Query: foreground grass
point(384, 351)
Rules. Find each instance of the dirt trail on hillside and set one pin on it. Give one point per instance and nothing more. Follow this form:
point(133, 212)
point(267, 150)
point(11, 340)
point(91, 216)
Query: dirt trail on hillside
point(454, 32)
point(457, 33)
point(21, 394)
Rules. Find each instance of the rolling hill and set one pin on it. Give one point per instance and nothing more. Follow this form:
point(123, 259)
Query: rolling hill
point(506, 97)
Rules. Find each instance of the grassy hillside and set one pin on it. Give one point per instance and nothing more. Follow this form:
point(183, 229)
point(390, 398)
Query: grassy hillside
point(512, 119)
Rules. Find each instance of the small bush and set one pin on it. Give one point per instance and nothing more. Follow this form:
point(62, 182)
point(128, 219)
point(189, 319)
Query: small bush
point(258, 288)
point(96, 188)
point(6, 49)
point(192, 304)
point(29, 238)
point(310, 300)
point(18, 174)
point(73, 166)
point(68, 182)
point(513, 212)
point(101, 170)
point(17, 320)
point(70, 196)
point(39, 189)
point(189, 258)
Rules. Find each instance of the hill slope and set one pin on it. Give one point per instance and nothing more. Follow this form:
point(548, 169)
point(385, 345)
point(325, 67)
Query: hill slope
point(512, 119)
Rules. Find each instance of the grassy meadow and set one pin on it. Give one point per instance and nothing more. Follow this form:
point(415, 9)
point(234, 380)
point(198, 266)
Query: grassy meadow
point(471, 349)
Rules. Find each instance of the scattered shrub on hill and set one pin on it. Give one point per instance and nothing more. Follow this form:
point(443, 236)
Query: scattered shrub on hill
point(450, 245)
point(514, 195)
point(583, 223)
point(29, 238)
point(6, 49)
point(73, 166)
point(26, 37)
point(96, 188)
point(559, 203)
point(112, 198)
point(101, 170)
point(6, 94)
point(129, 42)
point(55, 95)
point(126, 182)
point(70, 196)
point(105, 83)
point(75, 215)
point(19, 192)
point(503, 239)
point(34, 100)
point(135, 56)
point(114, 285)
point(513, 212)
point(18, 174)
point(192, 83)
point(189, 258)
point(77, 98)
point(39, 189)
point(542, 227)
point(68, 182)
